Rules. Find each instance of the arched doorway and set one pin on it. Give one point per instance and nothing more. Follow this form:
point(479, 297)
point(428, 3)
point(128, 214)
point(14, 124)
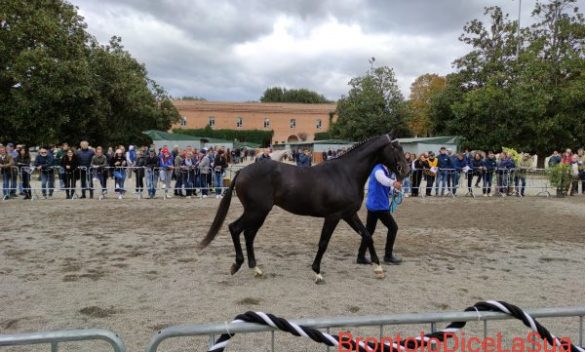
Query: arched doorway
point(292, 138)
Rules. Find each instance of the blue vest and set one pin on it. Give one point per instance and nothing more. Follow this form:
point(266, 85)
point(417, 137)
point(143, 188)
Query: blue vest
point(378, 194)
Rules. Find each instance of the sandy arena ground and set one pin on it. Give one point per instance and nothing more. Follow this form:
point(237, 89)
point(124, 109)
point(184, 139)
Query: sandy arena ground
point(131, 266)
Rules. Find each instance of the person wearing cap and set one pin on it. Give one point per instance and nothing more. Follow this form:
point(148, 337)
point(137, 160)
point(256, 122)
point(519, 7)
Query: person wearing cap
point(44, 163)
point(381, 185)
point(151, 171)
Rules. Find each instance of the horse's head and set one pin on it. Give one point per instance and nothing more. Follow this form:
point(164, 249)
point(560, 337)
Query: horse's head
point(393, 157)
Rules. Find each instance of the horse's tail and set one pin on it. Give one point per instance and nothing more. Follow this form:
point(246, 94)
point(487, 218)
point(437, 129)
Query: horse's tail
point(224, 206)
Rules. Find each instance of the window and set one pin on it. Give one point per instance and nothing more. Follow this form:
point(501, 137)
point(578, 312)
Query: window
point(266, 123)
point(239, 122)
point(318, 124)
point(211, 121)
point(293, 123)
point(183, 121)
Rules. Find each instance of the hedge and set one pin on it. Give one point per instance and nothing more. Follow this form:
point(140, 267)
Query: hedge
point(253, 136)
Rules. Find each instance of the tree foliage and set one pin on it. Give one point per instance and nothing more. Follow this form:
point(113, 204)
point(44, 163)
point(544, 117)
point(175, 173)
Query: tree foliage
point(521, 88)
point(373, 106)
point(422, 92)
point(57, 83)
point(283, 95)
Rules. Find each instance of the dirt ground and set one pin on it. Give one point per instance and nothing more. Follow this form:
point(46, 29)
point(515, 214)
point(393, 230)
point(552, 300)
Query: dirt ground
point(131, 266)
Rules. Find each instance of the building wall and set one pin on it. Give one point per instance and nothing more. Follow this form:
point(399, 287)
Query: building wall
point(197, 114)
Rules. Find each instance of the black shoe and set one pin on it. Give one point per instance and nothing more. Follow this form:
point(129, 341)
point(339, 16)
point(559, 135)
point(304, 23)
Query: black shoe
point(82, 196)
point(392, 260)
point(363, 260)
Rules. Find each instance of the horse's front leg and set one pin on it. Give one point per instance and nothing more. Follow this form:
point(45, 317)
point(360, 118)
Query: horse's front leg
point(356, 224)
point(326, 232)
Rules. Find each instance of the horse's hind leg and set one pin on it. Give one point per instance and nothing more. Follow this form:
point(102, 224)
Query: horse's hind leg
point(249, 235)
point(252, 227)
point(236, 229)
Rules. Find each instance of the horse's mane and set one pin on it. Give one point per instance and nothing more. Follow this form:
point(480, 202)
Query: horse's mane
point(354, 147)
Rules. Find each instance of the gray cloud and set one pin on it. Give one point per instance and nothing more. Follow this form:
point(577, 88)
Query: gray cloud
point(235, 49)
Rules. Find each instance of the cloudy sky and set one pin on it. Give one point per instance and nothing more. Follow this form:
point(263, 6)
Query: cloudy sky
point(232, 50)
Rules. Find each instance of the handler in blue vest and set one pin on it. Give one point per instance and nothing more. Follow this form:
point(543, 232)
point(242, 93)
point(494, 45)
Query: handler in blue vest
point(381, 185)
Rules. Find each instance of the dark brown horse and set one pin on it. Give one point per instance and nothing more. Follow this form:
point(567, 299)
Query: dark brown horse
point(333, 190)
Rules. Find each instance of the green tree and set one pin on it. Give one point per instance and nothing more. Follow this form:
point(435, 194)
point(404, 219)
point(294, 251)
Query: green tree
point(57, 83)
point(374, 105)
point(283, 95)
point(532, 101)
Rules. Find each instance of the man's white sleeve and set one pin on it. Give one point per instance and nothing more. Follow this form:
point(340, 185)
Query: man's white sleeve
point(383, 179)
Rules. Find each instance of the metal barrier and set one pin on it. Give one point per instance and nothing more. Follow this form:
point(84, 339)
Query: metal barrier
point(55, 337)
point(449, 182)
point(472, 183)
point(213, 330)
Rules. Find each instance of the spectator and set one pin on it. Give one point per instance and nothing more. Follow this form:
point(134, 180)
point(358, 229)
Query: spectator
point(119, 165)
point(524, 165)
point(70, 167)
point(99, 166)
point(430, 171)
point(476, 168)
point(13, 171)
point(220, 164)
point(459, 165)
point(265, 155)
point(139, 166)
point(23, 162)
point(304, 159)
point(131, 158)
point(178, 175)
point(6, 166)
point(490, 167)
point(575, 166)
point(44, 163)
point(151, 172)
point(581, 156)
point(444, 167)
point(189, 174)
point(505, 166)
point(166, 168)
point(204, 171)
point(554, 159)
point(417, 174)
point(406, 182)
point(85, 156)
point(567, 158)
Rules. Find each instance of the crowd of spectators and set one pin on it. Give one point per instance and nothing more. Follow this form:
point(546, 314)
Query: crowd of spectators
point(188, 172)
point(192, 172)
point(493, 174)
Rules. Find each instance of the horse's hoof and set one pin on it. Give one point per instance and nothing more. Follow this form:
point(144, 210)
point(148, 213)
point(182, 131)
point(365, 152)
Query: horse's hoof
point(234, 269)
point(379, 272)
point(257, 272)
point(318, 278)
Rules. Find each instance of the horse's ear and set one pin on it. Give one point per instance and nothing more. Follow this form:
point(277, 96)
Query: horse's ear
point(391, 134)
